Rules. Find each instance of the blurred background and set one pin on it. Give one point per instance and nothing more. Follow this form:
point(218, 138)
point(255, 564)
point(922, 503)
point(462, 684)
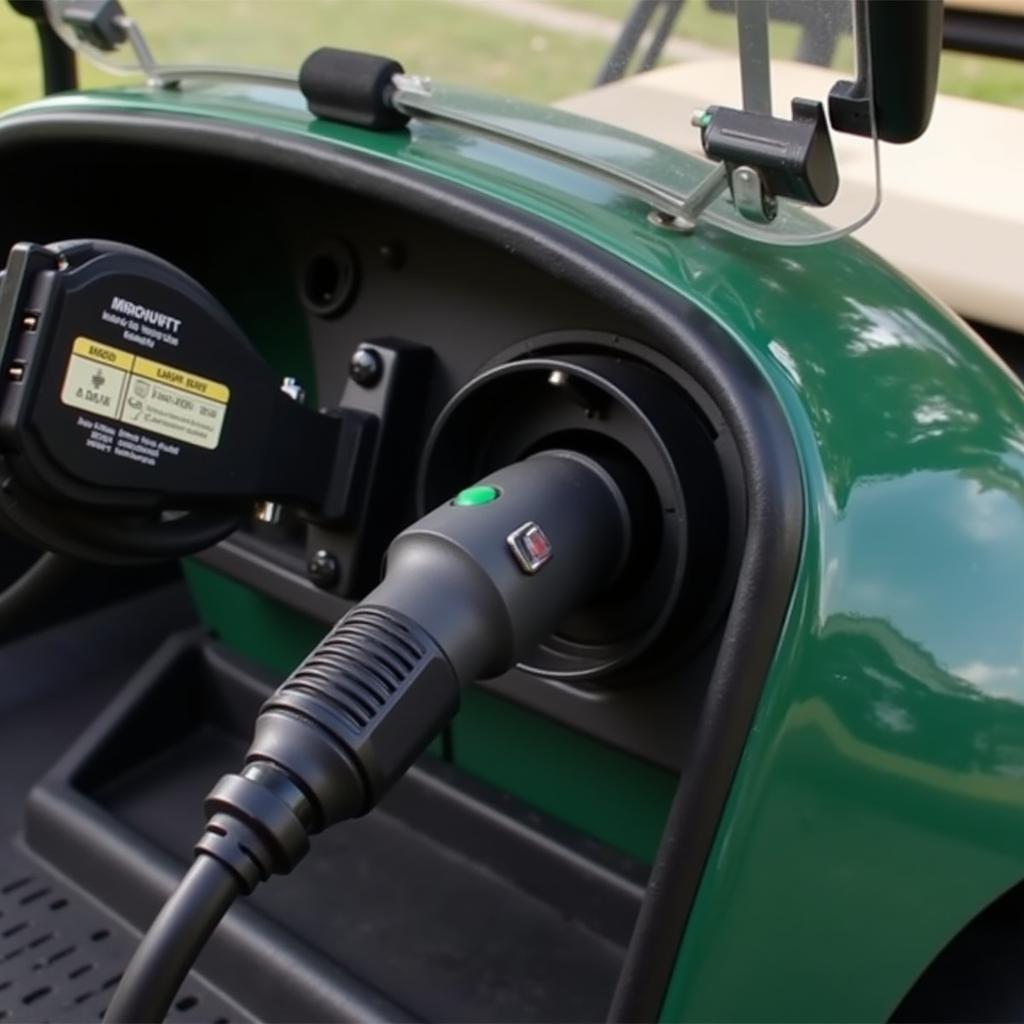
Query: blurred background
point(540, 50)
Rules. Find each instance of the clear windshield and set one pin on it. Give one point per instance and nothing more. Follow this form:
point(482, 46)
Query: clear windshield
point(620, 80)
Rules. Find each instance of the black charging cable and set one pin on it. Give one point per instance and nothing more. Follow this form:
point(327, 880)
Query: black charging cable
point(469, 590)
point(173, 942)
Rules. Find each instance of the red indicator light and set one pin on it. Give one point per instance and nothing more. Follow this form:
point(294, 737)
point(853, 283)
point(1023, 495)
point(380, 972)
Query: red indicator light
point(531, 547)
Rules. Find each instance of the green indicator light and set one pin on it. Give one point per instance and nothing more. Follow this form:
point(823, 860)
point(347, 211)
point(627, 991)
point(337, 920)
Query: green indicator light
point(481, 495)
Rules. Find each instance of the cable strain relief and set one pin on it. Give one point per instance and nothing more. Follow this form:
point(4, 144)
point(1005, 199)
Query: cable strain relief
point(253, 829)
point(237, 847)
point(301, 747)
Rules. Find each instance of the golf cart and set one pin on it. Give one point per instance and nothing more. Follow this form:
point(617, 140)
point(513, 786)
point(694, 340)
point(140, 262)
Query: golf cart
point(497, 561)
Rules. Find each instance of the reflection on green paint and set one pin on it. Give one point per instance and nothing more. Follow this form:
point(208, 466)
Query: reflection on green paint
point(879, 804)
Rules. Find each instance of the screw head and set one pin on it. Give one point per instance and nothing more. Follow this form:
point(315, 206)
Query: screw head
point(268, 512)
point(323, 569)
point(366, 366)
point(293, 389)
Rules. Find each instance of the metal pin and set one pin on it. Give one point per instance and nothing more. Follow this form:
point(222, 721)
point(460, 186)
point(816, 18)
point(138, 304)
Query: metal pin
point(16, 372)
point(30, 321)
point(420, 84)
point(702, 196)
point(268, 512)
point(582, 392)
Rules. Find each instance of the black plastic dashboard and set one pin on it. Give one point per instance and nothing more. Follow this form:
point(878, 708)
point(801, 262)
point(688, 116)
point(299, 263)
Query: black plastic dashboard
point(313, 274)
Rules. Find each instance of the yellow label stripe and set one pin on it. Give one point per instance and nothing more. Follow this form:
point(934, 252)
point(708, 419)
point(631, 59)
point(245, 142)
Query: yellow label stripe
point(103, 353)
point(179, 379)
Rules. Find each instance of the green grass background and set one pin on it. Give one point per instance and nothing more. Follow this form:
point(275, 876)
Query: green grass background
point(449, 41)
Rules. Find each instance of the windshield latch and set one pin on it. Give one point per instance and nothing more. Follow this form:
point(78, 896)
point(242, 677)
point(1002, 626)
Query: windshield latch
point(769, 157)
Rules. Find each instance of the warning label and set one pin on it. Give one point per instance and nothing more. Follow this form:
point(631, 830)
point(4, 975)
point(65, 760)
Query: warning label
point(145, 394)
point(94, 386)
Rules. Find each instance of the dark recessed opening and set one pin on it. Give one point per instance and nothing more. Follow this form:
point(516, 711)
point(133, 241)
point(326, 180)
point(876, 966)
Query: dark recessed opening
point(327, 280)
point(323, 275)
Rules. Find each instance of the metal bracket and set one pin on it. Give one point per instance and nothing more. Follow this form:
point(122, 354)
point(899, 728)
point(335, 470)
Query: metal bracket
point(754, 202)
point(104, 25)
point(690, 207)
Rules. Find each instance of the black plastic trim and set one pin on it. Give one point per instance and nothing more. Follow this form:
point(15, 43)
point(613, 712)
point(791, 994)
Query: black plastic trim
point(673, 325)
point(986, 33)
point(1007, 343)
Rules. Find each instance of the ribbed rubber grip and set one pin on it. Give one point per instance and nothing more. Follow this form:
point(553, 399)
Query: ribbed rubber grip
point(373, 693)
point(356, 671)
point(330, 741)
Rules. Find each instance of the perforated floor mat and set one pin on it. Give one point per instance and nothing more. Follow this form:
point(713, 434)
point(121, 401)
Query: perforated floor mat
point(61, 958)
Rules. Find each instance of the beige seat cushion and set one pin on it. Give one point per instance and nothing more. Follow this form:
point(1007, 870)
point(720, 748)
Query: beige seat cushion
point(952, 214)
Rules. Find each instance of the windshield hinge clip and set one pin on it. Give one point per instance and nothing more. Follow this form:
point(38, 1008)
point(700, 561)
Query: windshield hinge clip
point(770, 157)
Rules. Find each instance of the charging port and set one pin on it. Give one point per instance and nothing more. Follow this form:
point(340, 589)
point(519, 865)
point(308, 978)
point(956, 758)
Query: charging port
point(638, 423)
